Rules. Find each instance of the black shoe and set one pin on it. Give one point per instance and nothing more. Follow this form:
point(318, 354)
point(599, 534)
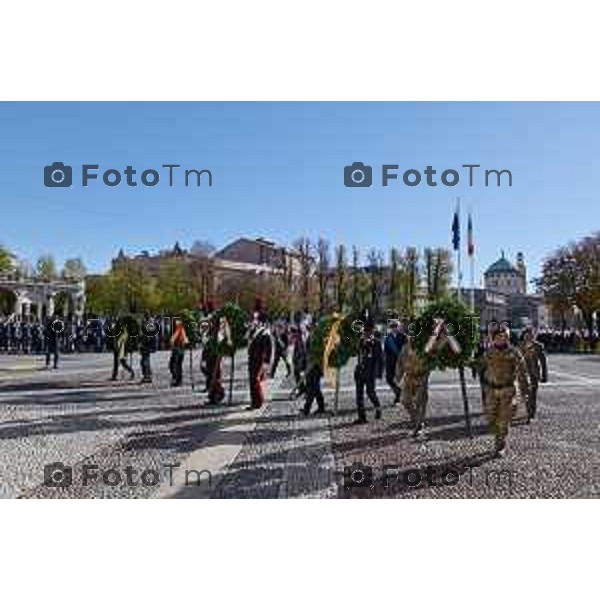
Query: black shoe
point(360, 421)
point(499, 448)
point(321, 411)
point(252, 407)
point(304, 412)
point(419, 432)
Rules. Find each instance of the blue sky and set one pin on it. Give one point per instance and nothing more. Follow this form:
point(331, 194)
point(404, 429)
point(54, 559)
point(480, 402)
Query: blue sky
point(278, 173)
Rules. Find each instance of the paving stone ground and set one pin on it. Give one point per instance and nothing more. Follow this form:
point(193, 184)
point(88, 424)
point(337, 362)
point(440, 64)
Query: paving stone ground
point(77, 417)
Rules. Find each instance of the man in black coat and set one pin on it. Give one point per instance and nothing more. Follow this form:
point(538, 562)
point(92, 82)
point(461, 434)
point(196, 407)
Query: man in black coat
point(260, 349)
point(53, 330)
point(281, 341)
point(369, 367)
point(148, 344)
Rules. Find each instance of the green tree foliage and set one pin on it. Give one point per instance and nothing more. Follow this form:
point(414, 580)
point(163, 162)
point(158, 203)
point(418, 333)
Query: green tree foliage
point(176, 289)
point(5, 260)
point(571, 278)
point(410, 281)
point(127, 288)
point(46, 268)
point(438, 272)
point(341, 277)
point(74, 269)
point(323, 273)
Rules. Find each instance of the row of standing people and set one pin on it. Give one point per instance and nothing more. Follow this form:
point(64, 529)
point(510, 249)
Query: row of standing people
point(502, 367)
point(260, 352)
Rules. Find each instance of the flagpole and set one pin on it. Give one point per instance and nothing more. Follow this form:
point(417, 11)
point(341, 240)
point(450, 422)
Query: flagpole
point(472, 283)
point(471, 252)
point(459, 274)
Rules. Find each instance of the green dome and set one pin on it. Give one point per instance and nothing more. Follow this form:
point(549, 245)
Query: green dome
point(501, 266)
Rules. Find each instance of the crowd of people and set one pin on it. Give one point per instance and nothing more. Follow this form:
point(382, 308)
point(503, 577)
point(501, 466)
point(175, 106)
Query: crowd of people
point(568, 340)
point(504, 365)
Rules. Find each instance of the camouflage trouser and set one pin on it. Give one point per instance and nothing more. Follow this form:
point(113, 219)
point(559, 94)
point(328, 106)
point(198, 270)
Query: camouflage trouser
point(415, 395)
point(499, 409)
point(532, 399)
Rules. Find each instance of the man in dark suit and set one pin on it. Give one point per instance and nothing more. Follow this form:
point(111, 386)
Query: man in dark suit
point(369, 367)
point(393, 344)
point(52, 332)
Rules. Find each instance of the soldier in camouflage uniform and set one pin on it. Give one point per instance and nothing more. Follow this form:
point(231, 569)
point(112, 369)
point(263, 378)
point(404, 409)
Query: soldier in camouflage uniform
point(503, 364)
point(535, 357)
point(414, 384)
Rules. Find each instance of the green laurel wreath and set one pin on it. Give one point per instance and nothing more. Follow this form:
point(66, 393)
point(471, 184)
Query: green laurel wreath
point(349, 340)
point(464, 329)
point(237, 319)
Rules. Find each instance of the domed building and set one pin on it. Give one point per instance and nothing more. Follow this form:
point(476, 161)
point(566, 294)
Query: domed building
point(505, 278)
point(505, 289)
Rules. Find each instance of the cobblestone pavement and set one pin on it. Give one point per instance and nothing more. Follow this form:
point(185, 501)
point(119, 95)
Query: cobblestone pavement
point(77, 417)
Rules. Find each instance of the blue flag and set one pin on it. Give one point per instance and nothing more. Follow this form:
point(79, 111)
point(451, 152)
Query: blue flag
point(456, 232)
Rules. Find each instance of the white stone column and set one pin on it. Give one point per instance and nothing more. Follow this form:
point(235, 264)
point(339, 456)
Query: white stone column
point(50, 305)
point(19, 300)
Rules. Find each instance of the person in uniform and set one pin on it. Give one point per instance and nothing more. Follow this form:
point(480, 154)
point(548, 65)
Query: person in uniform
point(415, 387)
point(120, 343)
point(179, 342)
point(215, 388)
point(3, 335)
point(15, 334)
point(369, 367)
point(209, 350)
point(535, 357)
point(311, 387)
point(281, 341)
point(503, 364)
point(25, 336)
point(52, 333)
point(299, 360)
point(147, 347)
point(260, 348)
point(392, 347)
point(37, 334)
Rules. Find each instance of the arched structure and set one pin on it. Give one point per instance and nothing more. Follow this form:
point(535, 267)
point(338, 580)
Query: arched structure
point(41, 296)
